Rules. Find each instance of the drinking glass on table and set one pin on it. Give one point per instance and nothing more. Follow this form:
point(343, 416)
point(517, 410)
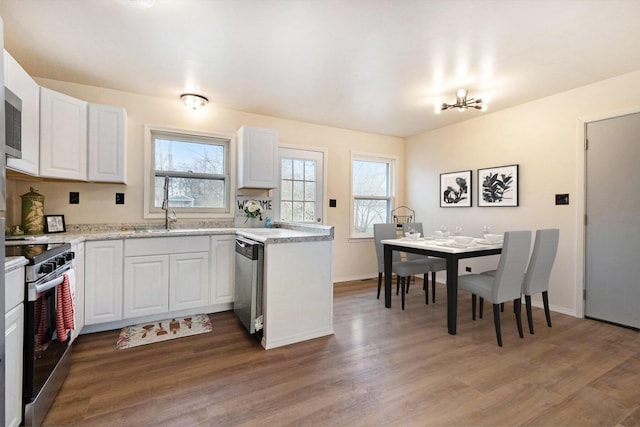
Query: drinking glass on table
point(458, 231)
point(444, 231)
point(486, 230)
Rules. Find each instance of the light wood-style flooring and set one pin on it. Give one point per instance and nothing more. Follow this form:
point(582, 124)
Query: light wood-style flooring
point(383, 367)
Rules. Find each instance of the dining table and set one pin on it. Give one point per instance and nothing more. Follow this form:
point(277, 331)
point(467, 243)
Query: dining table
point(448, 249)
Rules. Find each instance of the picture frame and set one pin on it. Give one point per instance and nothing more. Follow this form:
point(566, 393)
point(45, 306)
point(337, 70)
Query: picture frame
point(456, 189)
point(498, 186)
point(54, 224)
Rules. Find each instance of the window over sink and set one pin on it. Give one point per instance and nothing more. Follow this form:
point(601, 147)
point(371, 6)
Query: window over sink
point(197, 167)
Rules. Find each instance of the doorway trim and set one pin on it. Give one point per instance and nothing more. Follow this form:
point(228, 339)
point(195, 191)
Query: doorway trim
point(581, 192)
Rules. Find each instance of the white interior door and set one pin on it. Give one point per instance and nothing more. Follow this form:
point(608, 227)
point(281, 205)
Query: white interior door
point(301, 191)
point(612, 233)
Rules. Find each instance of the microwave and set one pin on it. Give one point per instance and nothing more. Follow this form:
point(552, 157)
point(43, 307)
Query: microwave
point(13, 124)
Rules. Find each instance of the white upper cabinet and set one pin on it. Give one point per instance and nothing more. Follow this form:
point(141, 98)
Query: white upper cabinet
point(257, 158)
point(63, 136)
point(107, 143)
point(20, 83)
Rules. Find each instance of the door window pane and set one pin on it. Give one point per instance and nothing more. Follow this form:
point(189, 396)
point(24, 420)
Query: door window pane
point(298, 190)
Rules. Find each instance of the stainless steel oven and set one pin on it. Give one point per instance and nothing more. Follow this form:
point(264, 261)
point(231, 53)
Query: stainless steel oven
point(47, 355)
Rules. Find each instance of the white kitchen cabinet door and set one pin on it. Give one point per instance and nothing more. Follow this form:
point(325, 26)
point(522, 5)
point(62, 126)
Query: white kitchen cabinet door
point(103, 281)
point(257, 158)
point(13, 339)
point(107, 143)
point(63, 136)
point(78, 307)
point(188, 280)
point(19, 82)
point(146, 285)
point(222, 268)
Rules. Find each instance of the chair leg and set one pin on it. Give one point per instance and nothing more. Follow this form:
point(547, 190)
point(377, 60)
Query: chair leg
point(397, 284)
point(433, 287)
point(527, 303)
point(481, 306)
point(473, 306)
point(425, 287)
point(496, 320)
point(402, 285)
point(409, 282)
point(545, 301)
point(517, 306)
point(379, 284)
point(502, 307)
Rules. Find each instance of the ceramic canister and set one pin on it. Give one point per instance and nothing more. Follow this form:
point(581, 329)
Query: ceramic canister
point(33, 212)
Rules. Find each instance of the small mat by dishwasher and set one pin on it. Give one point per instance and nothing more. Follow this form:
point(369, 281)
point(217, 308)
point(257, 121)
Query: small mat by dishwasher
point(151, 332)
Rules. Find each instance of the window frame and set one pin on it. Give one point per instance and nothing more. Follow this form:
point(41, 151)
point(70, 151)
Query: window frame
point(229, 142)
point(391, 162)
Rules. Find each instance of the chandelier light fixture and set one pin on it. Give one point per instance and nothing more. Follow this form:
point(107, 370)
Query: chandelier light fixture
point(462, 103)
point(194, 101)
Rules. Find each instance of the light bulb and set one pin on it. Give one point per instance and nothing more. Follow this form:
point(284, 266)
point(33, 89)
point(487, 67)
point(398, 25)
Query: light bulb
point(461, 93)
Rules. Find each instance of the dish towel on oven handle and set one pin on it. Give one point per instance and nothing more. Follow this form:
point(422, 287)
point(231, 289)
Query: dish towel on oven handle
point(64, 309)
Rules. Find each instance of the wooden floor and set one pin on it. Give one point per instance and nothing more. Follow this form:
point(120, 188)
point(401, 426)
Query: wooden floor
point(382, 367)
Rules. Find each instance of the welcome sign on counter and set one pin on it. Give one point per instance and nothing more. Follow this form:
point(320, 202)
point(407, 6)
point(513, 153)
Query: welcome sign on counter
point(240, 218)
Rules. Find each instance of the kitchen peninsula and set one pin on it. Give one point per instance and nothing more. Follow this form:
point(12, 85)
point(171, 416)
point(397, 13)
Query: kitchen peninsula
point(134, 276)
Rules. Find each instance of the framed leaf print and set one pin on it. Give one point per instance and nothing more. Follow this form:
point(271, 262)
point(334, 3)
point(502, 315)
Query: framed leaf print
point(455, 189)
point(498, 186)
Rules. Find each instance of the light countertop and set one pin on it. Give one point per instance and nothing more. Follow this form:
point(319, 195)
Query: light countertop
point(282, 234)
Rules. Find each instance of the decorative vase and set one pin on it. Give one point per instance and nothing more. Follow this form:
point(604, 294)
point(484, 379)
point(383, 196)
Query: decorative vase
point(33, 212)
point(252, 222)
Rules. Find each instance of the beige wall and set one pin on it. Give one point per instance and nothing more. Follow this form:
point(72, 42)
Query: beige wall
point(97, 201)
point(544, 138)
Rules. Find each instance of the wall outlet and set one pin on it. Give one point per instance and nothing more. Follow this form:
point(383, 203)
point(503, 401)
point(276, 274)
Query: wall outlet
point(119, 198)
point(467, 269)
point(74, 198)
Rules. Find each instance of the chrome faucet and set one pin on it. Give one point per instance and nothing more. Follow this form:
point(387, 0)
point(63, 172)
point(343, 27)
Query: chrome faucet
point(168, 219)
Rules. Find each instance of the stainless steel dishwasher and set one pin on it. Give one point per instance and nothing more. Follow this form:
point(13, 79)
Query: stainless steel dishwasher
point(249, 275)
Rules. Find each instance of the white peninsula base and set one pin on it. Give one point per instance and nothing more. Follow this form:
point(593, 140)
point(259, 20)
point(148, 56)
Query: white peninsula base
point(298, 292)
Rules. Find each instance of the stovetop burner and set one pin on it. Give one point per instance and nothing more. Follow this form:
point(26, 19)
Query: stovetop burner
point(37, 253)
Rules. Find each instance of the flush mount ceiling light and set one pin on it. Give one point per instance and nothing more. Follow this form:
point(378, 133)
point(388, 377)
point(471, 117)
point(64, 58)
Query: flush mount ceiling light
point(137, 4)
point(462, 103)
point(193, 101)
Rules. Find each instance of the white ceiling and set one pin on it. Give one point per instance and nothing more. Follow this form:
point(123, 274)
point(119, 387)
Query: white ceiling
point(370, 65)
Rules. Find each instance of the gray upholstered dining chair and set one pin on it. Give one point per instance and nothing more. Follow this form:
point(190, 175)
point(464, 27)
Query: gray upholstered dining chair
point(435, 264)
point(536, 279)
point(402, 269)
point(506, 284)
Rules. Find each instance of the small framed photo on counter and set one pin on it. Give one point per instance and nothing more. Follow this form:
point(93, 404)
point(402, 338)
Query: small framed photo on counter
point(54, 224)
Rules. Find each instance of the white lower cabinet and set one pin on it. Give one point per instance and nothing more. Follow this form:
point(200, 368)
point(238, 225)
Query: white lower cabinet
point(78, 307)
point(13, 338)
point(146, 285)
point(13, 341)
point(151, 276)
point(165, 274)
point(188, 280)
point(103, 281)
point(222, 268)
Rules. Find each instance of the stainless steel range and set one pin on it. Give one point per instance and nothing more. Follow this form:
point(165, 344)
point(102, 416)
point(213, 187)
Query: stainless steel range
point(47, 356)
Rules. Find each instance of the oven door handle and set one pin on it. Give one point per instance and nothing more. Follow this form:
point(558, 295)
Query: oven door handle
point(48, 285)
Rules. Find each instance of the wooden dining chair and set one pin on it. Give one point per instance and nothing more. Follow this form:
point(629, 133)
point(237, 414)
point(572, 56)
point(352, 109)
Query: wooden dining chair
point(506, 284)
point(434, 263)
point(402, 269)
